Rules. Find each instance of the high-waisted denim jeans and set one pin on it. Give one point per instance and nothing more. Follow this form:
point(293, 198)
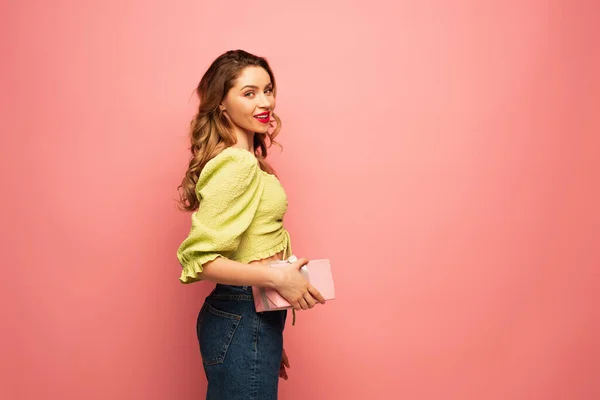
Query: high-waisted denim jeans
point(241, 349)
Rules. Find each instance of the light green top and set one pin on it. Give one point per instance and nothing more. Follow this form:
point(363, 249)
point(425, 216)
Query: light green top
point(240, 216)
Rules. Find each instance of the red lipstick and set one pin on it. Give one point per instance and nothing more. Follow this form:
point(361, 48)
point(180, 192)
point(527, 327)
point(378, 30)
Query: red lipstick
point(263, 117)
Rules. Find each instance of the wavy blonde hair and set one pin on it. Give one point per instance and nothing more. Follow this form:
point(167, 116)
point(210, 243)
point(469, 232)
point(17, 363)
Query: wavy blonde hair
point(210, 131)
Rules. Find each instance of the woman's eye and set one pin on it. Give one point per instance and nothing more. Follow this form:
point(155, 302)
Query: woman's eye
point(267, 90)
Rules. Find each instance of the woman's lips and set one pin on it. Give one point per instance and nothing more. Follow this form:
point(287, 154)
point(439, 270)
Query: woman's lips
point(264, 118)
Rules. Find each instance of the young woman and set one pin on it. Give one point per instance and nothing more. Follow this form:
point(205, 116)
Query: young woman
point(237, 229)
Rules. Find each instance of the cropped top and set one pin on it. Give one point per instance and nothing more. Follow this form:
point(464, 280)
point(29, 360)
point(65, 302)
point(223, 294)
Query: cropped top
point(240, 215)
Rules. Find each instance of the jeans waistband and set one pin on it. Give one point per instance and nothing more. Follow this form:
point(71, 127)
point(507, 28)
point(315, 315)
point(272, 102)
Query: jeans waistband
point(232, 292)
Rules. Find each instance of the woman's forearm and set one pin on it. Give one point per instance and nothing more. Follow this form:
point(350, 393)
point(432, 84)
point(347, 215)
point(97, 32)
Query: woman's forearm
point(228, 272)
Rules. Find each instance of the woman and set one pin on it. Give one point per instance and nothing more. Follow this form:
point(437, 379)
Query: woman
point(237, 229)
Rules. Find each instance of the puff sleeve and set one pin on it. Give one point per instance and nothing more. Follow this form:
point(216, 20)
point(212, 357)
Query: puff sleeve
point(229, 189)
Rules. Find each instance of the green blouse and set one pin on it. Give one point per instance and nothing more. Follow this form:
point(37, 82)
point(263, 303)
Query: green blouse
point(240, 215)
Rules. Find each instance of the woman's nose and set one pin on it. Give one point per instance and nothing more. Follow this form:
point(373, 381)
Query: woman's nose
point(263, 101)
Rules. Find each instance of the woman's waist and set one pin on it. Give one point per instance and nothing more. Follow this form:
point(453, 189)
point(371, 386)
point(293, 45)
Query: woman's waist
point(267, 260)
point(262, 250)
point(227, 290)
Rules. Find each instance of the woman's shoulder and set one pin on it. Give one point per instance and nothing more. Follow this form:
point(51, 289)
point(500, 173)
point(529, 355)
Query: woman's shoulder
point(238, 153)
point(232, 155)
point(232, 162)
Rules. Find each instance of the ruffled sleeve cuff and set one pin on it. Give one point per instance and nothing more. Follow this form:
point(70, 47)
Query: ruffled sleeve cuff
point(192, 268)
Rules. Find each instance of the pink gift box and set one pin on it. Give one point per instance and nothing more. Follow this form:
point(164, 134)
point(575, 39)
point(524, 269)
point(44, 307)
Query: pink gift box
point(317, 272)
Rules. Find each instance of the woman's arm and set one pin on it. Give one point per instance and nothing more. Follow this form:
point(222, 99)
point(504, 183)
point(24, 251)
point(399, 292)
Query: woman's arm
point(287, 280)
point(228, 272)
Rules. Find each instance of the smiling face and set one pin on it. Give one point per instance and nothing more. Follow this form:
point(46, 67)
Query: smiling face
point(251, 95)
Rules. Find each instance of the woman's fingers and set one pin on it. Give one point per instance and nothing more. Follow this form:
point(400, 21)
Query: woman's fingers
point(284, 363)
point(303, 303)
point(285, 359)
point(316, 294)
point(309, 300)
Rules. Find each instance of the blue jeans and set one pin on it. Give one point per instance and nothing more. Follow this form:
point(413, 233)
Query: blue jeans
point(240, 348)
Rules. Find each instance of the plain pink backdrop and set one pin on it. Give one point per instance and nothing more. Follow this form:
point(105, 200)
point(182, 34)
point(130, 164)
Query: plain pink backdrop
point(444, 155)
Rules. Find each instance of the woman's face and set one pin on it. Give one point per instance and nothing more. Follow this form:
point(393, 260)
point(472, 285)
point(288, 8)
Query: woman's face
point(251, 95)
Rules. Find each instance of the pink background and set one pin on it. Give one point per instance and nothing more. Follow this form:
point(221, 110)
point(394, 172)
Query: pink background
point(444, 155)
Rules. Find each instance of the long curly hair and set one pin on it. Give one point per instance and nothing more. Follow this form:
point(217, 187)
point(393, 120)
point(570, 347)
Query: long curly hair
point(210, 131)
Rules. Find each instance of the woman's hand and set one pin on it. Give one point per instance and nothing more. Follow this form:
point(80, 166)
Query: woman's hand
point(293, 287)
point(284, 363)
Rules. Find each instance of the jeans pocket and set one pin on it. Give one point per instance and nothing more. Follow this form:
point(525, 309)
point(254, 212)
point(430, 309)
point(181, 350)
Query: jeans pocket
point(215, 332)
